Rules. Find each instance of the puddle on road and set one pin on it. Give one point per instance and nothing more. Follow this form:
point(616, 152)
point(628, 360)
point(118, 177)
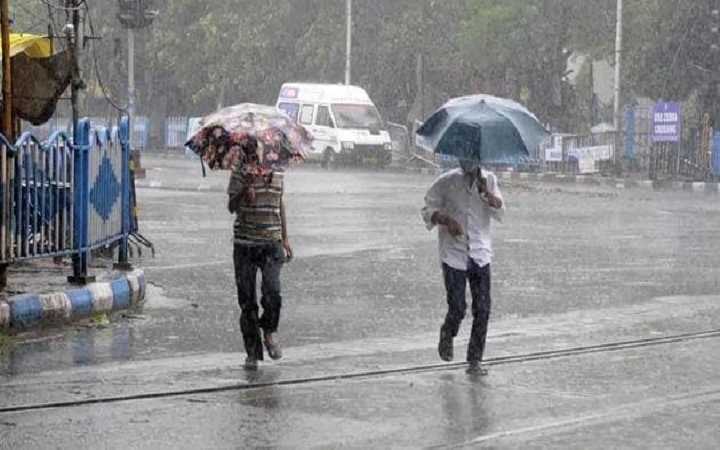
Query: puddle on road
point(155, 298)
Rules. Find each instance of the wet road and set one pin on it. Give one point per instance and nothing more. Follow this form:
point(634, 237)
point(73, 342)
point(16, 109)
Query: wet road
point(366, 276)
point(365, 266)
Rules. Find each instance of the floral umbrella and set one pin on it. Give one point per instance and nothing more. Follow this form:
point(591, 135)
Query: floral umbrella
point(224, 137)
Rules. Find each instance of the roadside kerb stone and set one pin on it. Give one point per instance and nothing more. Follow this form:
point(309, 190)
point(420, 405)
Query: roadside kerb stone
point(26, 311)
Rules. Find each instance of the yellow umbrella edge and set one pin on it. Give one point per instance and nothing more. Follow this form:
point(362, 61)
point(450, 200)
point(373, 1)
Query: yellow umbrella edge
point(33, 45)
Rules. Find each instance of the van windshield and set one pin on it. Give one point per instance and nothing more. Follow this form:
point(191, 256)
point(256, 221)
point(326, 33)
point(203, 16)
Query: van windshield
point(357, 116)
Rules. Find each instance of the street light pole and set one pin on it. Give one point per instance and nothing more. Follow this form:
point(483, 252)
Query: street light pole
point(7, 125)
point(131, 82)
point(7, 122)
point(348, 40)
point(617, 118)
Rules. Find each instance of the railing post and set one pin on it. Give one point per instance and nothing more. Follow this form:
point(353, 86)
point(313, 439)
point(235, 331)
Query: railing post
point(5, 208)
point(124, 137)
point(81, 156)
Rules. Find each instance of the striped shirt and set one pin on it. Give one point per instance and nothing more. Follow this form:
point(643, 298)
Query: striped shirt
point(258, 221)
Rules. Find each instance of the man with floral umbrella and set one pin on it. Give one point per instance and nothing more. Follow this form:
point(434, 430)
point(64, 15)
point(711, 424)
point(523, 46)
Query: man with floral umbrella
point(260, 243)
point(256, 142)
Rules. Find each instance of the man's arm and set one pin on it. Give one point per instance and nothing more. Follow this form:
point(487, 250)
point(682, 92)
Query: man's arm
point(433, 205)
point(433, 213)
point(234, 202)
point(236, 187)
point(286, 241)
point(495, 199)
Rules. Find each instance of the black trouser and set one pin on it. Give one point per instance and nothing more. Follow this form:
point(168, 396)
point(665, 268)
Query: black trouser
point(455, 282)
point(248, 258)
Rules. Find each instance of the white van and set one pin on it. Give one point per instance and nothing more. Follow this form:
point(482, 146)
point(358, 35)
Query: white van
point(344, 122)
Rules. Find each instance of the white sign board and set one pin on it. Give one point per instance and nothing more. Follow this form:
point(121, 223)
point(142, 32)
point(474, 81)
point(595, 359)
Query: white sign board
point(588, 156)
point(587, 165)
point(553, 153)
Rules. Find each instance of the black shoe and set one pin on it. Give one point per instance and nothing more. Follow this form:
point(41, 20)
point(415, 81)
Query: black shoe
point(251, 363)
point(474, 368)
point(272, 347)
point(445, 346)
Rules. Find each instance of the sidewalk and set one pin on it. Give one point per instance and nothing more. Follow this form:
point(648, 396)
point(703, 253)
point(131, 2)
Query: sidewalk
point(164, 167)
point(393, 392)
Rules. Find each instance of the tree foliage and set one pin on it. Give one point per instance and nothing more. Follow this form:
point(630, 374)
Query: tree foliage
point(409, 54)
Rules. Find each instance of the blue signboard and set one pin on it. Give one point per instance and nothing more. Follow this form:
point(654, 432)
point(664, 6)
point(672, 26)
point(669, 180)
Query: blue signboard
point(630, 133)
point(716, 155)
point(666, 122)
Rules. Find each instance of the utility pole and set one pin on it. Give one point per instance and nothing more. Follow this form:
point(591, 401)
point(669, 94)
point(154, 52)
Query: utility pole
point(131, 80)
point(7, 125)
point(75, 45)
point(7, 122)
point(81, 259)
point(715, 57)
point(348, 40)
point(617, 110)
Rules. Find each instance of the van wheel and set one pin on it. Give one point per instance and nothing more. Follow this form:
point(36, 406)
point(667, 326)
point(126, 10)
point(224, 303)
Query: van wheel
point(328, 161)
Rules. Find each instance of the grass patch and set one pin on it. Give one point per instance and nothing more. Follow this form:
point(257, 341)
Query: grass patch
point(5, 342)
point(100, 319)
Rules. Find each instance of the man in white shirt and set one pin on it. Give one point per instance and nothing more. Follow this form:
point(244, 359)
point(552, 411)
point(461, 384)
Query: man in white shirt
point(461, 203)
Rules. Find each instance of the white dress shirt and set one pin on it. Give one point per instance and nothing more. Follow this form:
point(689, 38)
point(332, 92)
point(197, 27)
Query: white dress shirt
point(452, 194)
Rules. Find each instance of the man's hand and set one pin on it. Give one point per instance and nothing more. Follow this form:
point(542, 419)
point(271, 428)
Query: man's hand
point(453, 227)
point(288, 250)
point(494, 201)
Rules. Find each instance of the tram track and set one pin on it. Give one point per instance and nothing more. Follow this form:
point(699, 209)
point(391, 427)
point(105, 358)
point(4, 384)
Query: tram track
point(502, 360)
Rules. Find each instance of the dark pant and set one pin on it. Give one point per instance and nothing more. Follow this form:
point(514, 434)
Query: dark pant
point(248, 259)
point(455, 281)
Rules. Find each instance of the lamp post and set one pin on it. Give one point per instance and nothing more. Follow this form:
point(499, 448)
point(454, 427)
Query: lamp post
point(617, 104)
point(348, 40)
point(133, 15)
point(7, 125)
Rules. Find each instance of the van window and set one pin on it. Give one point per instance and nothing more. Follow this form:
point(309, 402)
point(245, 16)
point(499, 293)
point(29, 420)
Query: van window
point(306, 114)
point(323, 118)
point(291, 109)
point(357, 116)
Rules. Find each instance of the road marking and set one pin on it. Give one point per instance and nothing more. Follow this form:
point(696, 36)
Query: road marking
point(191, 265)
point(625, 412)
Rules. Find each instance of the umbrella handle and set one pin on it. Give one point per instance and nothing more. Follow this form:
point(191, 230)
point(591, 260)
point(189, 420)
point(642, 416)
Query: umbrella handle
point(202, 166)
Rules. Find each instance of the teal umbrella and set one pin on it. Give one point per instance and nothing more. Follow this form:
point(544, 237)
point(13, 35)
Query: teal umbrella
point(489, 129)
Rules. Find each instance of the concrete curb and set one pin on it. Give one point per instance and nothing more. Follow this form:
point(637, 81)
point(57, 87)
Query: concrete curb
point(21, 312)
point(545, 177)
point(159, 185)
point(617, 183)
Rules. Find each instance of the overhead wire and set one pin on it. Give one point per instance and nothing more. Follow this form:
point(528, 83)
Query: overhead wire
point(103, 88)
point(61, 7)
point(29, 13)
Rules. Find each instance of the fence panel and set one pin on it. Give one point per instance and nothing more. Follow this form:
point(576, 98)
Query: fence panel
point(140, 136)
point(105, 170)
point(176, 132)
point(40, 192)
point(65, 198)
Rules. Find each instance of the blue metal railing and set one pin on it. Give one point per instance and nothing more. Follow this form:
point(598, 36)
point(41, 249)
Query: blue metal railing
point(716, 155)
point(65, 198)
point(41, 182)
